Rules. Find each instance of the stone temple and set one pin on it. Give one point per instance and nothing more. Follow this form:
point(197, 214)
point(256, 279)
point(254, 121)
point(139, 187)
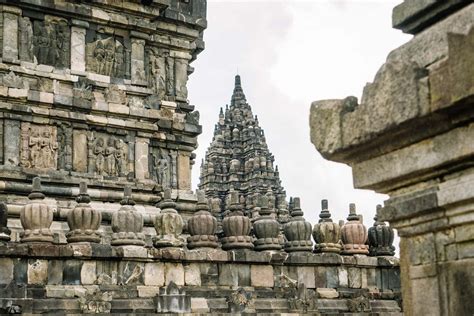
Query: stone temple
point(238, 159)
point(97, 135)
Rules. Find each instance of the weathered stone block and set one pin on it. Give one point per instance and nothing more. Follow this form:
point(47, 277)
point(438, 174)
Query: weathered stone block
point(261, 276)
point(343, 277)
point(154, 274)
point(37, 271)
point(306, 275)
point(192, 274)
point(174, 272)
point(147, 291)
point(88, 273)
point(327, 293)
point(199, 305)
point(355, 278)
point(6, 270)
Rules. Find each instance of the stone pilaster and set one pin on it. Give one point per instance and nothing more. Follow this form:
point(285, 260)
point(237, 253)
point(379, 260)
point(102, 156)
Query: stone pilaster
point(141, 157)
point(138, 58)
point(78, 46)
point(184, 171)
point(10, 34)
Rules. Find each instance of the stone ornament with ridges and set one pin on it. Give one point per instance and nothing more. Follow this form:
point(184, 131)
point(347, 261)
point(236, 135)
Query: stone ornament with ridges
point(381, 238)
point(327, 234)
point(4, 231)
point(168, 224)
point(127, 223)
point(297, 230)
point(36, 217)
point(354, 234)
point(202, 226)
point(236, 226)
point(83, 220)
point(266, 227)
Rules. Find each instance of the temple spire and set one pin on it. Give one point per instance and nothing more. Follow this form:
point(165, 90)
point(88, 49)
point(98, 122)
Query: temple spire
point(238, 94)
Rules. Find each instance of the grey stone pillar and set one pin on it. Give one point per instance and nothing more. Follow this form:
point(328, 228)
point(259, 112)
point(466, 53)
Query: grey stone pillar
point(10, 34)
point(411, 137)
point(78, 46)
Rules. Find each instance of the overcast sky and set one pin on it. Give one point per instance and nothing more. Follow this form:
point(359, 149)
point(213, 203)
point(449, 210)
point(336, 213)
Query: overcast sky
point(290, 53)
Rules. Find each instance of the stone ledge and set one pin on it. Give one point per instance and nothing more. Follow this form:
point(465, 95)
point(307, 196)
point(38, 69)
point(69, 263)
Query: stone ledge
point(100, 252)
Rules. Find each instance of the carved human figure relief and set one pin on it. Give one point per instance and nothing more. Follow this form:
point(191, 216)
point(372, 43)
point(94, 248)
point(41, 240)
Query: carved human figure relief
point(51, 42)
point(157, 72)
point(109, 155)
point(106, 57)
point(39, 147)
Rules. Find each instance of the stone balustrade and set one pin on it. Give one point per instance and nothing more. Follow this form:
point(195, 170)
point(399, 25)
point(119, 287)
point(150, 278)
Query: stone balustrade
point(127, 227)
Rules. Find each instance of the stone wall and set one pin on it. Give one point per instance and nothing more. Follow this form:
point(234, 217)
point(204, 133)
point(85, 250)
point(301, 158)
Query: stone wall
point(411, 137)
point(90, 278)
point(96, 91)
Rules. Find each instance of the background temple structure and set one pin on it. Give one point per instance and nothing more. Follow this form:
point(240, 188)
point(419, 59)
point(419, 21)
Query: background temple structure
point(238, 159)
point(97, 214)
point(411, 137)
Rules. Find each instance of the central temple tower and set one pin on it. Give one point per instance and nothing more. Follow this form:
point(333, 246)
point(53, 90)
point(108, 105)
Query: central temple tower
point(238, 159)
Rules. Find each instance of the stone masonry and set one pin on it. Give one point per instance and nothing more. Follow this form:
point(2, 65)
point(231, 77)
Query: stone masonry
point(96, 91)
point(97, 215)
point(238, 159)
point(411, 137)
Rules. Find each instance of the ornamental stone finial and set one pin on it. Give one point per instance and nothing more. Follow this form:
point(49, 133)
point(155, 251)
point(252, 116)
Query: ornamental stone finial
point(381, 238)
point(36, 217)
point(297, 230)
point(202, 226)
point(236, 226)
point(127, 223)
point(83, 220)
point(326, 234)
point(168, 224)
point(354, 234)
point(266, 227)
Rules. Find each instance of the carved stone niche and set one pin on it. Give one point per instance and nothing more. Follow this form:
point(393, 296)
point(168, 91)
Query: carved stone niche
point(107, 155)
point(172, 299)
point(108, 56)
point(39, 146)
point(51, 41)
point(163, 167)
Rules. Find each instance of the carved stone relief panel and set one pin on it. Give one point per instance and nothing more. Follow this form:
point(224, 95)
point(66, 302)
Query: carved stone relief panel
point(157, 71)
point(162, 167)
point(51, 41)
point(26, 39)
point(39, 146)
point(107, 155)
point(108, 56)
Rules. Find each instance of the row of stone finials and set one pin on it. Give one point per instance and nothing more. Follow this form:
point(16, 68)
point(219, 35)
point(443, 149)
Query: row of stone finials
point(127, 225)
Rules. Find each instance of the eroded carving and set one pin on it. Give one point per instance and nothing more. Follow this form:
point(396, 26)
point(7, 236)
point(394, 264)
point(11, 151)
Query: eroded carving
point(106, 57)
point(65, 147)
point(108, 155)
point(113, 94)
point(239, 300)
point(26, 39)
point(157, 71)
point(39, 146)
point(93, 301)
point(51, 41)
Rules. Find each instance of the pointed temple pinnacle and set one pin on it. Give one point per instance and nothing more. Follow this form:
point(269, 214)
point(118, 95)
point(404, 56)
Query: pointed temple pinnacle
point(237, 81)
